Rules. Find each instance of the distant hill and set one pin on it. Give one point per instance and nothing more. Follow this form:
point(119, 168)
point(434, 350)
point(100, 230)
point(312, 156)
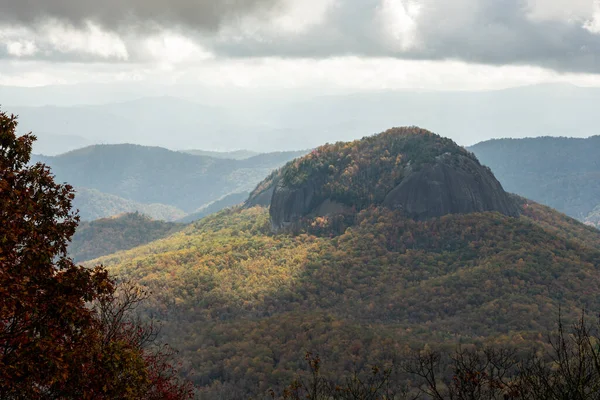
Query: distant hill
point(232, 155)
point(93, 204)
point(356, 285)
point(563, 173)
point(110, 235)
point(153, 175)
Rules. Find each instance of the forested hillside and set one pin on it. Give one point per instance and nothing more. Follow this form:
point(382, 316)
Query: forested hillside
point(563, 173)
point(244, 304)
point(153, 176)
point(110, 235)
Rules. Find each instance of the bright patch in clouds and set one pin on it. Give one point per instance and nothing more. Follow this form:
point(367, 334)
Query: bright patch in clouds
point(299, 16)
point(593, 25)
point(54, 37)
point(398, 19)
point(22, 48)
point(290, 17)
point(171, 48)
point(91, 41)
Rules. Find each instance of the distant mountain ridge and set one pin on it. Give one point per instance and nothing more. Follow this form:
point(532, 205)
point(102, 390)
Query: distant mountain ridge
point(563, 173)
point(158, 182)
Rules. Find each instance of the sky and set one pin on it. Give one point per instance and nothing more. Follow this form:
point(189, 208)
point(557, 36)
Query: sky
point(349, 44)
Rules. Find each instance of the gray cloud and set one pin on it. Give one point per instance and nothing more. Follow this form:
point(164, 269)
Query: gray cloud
point(497, 32)
point(124, 14)
point(500, 32)
point(493, 32)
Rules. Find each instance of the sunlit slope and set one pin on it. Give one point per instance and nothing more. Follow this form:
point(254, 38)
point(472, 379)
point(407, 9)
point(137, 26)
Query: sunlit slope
point(243, 304)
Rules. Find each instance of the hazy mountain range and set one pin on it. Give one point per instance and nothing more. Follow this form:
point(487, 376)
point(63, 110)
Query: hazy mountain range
point(563, 173)
point(282, 120)
point(164, 184)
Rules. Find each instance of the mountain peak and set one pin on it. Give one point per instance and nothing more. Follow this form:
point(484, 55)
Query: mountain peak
point(412, 170)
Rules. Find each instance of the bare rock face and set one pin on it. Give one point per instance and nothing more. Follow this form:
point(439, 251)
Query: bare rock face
point(452, 185)
point(290, 205)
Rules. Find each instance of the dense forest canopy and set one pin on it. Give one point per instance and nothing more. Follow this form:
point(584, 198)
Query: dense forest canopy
point(243, 305)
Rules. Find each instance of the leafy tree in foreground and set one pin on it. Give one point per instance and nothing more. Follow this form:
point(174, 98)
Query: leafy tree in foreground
point(65, 331)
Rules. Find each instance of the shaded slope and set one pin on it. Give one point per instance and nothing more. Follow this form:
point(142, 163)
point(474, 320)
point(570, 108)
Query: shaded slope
point(110, 235)
point(563, 173)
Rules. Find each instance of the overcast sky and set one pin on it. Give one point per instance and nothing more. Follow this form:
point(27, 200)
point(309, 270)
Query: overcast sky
point(356, 44)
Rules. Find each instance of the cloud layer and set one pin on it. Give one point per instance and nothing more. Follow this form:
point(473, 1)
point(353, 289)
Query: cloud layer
point(563, 35)
point(125, 14)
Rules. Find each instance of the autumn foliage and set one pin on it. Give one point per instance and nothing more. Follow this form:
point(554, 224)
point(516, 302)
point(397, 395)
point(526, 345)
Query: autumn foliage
point(65, 331)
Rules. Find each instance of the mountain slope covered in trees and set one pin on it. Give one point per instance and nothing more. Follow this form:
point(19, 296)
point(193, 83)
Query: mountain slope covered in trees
point(563, 173)
point(109, 235)
point(243, 304)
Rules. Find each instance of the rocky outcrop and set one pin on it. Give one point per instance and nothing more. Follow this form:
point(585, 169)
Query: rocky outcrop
point(452, 185)
point(290, 205)
point(410, 170)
